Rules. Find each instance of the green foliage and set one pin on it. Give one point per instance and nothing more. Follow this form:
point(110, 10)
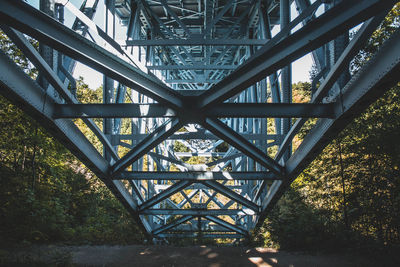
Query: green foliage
point(46, 195)
point(179, 147)
point(293, 224)
point(349, 196)
point(14, 53)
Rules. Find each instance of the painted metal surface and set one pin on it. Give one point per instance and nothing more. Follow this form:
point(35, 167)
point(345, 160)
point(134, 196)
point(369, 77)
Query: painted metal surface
point(205, 87)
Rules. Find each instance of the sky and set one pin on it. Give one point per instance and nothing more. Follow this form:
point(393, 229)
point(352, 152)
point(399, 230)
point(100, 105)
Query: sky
point(300, 68)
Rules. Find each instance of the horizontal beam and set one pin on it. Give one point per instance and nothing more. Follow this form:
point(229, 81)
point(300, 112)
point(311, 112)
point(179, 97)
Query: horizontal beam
point(196, 92)
point(195, 167)
point(193, 226)
point(117, 110)
point(271, 110)
point(192, 67)
point(196, 176)
point(197, 135)
point(226, 110)
point(188, 235)
point(197, 185)
point(196, 42)
point(200, 154)
point(197, 80)
point(197, 212)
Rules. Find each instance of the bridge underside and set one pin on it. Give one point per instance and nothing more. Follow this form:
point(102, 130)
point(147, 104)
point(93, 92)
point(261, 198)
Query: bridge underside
point(198, 118)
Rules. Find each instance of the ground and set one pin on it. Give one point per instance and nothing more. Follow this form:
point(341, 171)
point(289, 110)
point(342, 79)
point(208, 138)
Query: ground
point(195, 256)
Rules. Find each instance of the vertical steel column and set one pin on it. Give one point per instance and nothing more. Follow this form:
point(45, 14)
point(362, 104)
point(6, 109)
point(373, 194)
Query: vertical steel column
point(133, 32)
point(108, 84)
point(340, 44)
point(286, 75)
point(273, 79)
point(67, 64)
point(46, 6)
point(318, 55)
point(334, 49)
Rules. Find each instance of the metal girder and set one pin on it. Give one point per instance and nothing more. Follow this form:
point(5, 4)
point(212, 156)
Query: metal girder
point(90, 24)
point(231, 110)
point(196, 176)
point(16, 86)
point(197, 80)
point(271, 110)
point(197, 212)
point(137, 191)
point(356, 43)
point(374, 78)
point(192, 67)
point(117, 110)
point(33, 55)
point(236, 140)
point(199, 135)
point(171, 225)
point(72, 44)
point(227, 225)
point(188, 235)
point(218, 17)
point(187, 198)
point(224, 159)
point(220, 188)
point(197, 42)
point(318, 54)
point(173, 189)
point(169, 159)
point(152, 140)
point(158, 22)
point(197, 185)
point(326, 27)
point(177, 19)
point(207, 227)
point(207, 56)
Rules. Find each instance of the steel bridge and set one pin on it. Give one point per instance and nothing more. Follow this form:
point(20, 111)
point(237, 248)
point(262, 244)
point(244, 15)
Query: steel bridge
point(213, 77)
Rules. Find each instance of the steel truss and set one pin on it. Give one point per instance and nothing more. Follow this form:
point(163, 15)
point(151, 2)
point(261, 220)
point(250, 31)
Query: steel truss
point(208, 75)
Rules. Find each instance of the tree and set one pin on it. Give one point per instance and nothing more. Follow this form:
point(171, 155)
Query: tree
point(46, 194)
point(350, 193)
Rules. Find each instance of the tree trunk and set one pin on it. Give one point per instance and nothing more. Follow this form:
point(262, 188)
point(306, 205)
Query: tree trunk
point(345, 215)
point(23, 159)
point(33, 160)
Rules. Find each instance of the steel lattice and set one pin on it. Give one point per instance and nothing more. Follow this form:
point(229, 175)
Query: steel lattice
point(210, 76)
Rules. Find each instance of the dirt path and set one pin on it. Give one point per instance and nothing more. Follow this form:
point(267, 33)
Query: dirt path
point(145, 256)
